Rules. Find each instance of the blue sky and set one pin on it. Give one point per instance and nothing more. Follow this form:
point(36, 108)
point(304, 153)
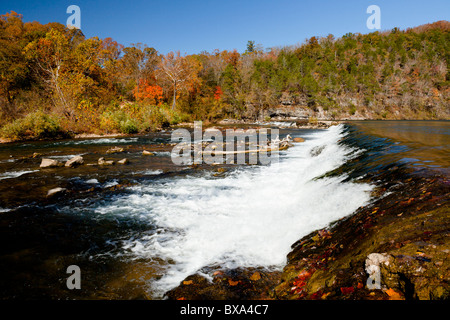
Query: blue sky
point(192, 26)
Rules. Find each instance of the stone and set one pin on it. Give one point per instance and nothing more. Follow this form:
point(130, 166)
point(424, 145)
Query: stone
point(115, 150)
point(55, 191)
point(298, 139)
point(123, 161)
point(103, 162)
point(50, 163)
point(75, 161)
point(147, 153)
point(316, 150)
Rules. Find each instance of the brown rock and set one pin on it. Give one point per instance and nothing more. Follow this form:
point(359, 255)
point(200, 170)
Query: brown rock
point(50, 163)
point(147, 153)
point(115, 150)
point(75, 161)
point(103, 162)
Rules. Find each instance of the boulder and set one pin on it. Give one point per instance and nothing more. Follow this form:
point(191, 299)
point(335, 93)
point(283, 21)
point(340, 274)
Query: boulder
point(123, 161)
point(115, 150)
point(298, 139)
point(103, 162)
point(50, 163)
point(316, 150)
point(75, 161)
point(147, 153)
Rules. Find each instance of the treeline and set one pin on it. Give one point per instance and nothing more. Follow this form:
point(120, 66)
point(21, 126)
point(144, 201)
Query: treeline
point(53, 80)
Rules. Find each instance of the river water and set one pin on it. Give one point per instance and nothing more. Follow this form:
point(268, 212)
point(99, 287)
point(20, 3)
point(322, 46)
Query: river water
point(137, 230)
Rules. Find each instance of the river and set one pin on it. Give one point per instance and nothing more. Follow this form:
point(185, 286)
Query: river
point(137, 230)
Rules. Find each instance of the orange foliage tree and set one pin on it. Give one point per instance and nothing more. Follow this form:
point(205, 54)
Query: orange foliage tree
point(148, 93)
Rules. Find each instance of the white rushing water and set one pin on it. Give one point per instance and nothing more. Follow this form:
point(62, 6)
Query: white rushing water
point(96, 141)
point(14, 174)
point(250, 217)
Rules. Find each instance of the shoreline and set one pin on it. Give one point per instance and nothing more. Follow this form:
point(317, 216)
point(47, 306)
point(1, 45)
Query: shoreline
point(320, 125)
point(300, 123)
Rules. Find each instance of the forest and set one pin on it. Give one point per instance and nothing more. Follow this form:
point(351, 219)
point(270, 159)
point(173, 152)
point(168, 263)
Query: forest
point(55, 82)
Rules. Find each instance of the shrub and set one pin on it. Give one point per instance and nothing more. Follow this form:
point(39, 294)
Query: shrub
point(128, 126)
point(110, 120)
point(140, 118)
point(313, 120)
point(36, 125)
point(352, 109)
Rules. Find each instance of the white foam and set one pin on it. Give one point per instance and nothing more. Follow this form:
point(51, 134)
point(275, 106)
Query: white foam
point(111, 183)
point(7, 160)
point(65, 157)
point(14, 174)
point(149, 172)
point(162, 153)
point(98, 141)
point(92, 181)
point(249, 218)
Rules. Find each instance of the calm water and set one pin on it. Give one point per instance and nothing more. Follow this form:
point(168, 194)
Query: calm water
point(420, 143)
point(137, 230)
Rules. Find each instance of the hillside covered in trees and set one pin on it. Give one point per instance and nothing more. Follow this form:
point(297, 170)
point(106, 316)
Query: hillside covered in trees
point(54, 81)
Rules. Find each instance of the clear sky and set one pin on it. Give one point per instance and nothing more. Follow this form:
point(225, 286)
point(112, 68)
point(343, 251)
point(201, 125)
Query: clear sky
point(192, 26)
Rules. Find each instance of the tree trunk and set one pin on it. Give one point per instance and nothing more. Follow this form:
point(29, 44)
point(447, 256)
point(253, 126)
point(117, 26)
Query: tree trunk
point(174, 95)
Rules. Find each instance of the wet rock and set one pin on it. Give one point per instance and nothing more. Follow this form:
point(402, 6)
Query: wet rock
point(75, 161)
point(115, 150)
point(36, 155)
point(147, 153)
point(123, 161)
point(56, 191)
point(316, 151)
point(298, 139)
point(382, 241)
point(103, 162)
point(50, 163)
point(231, 284)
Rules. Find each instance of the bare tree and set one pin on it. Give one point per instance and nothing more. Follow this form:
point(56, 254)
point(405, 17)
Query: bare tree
point(182, 72)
